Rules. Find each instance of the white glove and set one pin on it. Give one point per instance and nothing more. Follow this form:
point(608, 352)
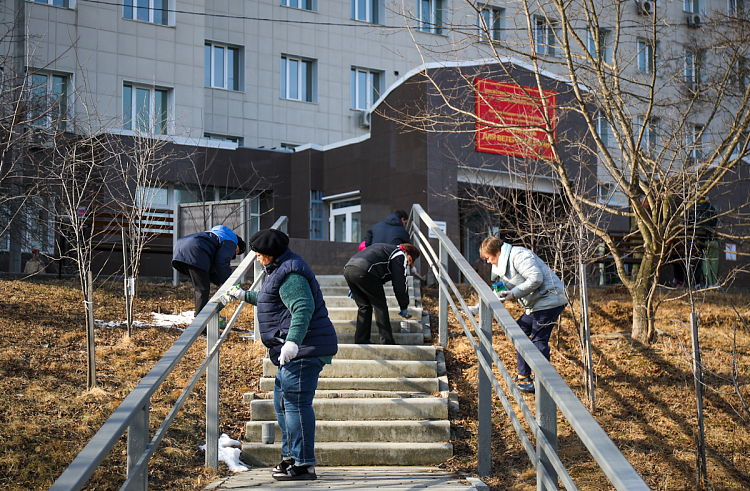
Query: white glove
point(288, 352)
point(414, 271)
point(236, 293)
point(473, 309)
point(505, 296)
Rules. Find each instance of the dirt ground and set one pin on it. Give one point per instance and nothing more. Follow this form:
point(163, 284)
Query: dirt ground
point(644, 395)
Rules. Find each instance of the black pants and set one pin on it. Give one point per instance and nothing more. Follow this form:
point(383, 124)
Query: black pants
point(367, 291)
point(201, 285)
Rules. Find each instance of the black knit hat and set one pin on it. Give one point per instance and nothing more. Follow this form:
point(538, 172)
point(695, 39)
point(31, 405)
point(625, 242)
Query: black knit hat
point(270, 242)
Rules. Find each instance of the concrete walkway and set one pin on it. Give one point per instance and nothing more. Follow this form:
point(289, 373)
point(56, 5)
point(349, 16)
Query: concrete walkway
point(355, 478)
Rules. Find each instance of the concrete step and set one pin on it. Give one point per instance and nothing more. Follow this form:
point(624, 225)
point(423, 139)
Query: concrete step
point(349, 313)
point(354, 409)
point(428, 385)
point(348, 453)
point(327, 280)
point(366, 431)
point(401, 339)
point(343, 291)
point(339, 394)
point(344, 326)
point(344, 301)
point(368, 368)
point(382, 352)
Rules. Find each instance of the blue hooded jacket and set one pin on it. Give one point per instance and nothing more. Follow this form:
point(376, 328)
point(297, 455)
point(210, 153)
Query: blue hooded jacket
point(274, 318)
point(389, 231)
point(210, 251)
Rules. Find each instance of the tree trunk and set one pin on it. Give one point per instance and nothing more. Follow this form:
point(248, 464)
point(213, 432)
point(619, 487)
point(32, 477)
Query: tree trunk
point(643, 314)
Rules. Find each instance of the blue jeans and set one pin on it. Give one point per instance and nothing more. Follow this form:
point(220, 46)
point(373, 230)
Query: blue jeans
point(293, 393)
point(537, 326)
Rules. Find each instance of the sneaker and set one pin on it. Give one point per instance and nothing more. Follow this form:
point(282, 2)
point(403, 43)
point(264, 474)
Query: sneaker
point(296, 473)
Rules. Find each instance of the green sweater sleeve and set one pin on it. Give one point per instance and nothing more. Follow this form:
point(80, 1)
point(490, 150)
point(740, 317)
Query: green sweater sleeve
point(296, 294)
point(251, 297)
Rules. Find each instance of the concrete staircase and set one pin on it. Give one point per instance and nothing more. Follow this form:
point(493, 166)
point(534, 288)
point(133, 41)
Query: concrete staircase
point(375, 404)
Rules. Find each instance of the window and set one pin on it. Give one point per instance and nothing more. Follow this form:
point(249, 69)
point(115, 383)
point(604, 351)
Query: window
point(430, 15)
point(316, 215)
point(692, 6)
point(345, 218)
point(48, 99)
point(648, 55)
point(600, 44)
point(300, 4)
point(731, 251)
point(153, 11)
point(739, 75)
point(603, 129)
point(68, 4)
point(606, 192)
point(735, 6)
point(297, 79)
point(491, 22)
point(692, 72)
point(366, 10)
point(222, 66)
point(145, 109)
point(650, 138)
point(225, 138)
point(544, 36)
point(694, 143)
point(365, 88)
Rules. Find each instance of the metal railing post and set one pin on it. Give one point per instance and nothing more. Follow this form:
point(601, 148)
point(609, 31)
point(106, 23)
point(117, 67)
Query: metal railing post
point(137, 442)
point(443, 302)
point(212, 395)
point(175, 237)
point(546, 417)
point(484, 399)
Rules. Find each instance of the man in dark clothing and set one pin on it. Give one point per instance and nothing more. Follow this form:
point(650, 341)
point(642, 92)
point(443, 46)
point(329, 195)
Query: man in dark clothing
point(392, 230)
point(365, 273)
point(206, 258)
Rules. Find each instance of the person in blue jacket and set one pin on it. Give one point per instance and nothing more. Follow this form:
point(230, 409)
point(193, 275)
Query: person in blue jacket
point(392, 230)
point(294, 325)
point(206, 258)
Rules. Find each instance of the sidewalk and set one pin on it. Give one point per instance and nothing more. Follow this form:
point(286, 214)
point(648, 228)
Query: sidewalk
point(354, 478)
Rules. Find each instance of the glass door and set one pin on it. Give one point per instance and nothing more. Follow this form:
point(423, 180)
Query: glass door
point(345, 220)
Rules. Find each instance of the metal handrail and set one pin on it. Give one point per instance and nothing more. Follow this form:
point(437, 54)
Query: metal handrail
point(551, 390)
point(132, 414)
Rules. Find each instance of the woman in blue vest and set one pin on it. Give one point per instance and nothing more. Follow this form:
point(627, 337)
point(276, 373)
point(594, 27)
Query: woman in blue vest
point(301, 340)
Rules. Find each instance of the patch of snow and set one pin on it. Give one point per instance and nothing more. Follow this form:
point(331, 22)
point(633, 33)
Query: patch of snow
point(229, 454)
point(178, 321)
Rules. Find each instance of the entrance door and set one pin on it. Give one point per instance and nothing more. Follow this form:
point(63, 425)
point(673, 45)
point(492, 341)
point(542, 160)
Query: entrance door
point(345, 220)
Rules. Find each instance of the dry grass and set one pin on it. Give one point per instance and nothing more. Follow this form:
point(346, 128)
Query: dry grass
point(644, 395)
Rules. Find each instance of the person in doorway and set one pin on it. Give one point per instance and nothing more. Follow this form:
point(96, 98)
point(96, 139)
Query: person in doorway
point(206, 258)
point(392, 230)
point(536, 287)
point(365, 273)
point(301, 340)
point(705, 234)
point(35, 264)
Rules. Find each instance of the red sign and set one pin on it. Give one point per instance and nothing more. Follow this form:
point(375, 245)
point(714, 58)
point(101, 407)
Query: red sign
point(510, 119)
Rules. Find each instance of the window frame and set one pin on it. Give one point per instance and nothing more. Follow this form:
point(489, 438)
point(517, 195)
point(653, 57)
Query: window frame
point(694, 142)
point(492, 29)
point(209, 58)
point(603, 129)
point(545, 39)
point(310, 84)
point(693, 6)
point(46, 117)
point(691, 69)
point(433, 22)
point(647, 56)
point(606, 48)
point(651, 133)
point(372, 8)
point(136, 9)
point(374, 89)
point(310, 5)
point(317, 203)
point(71, 4)
point(166, 123)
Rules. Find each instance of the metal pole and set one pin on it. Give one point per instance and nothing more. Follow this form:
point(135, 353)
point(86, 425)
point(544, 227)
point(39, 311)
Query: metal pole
point(702, 476)
point(443, 301)
point(125, 267)
point(484, 399)
point(137, 443)
point(212, 395)
point(91, 341)
point(257, 272)
point(546, 417)
point(175, 238)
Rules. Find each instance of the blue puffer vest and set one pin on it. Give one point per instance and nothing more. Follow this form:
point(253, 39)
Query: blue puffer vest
point(274, 317)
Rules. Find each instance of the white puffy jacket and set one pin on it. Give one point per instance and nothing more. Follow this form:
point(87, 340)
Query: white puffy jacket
point(530, 280)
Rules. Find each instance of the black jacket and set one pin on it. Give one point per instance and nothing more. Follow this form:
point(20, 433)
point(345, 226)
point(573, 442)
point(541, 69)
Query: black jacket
point(388, 263)
point(389, 231)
